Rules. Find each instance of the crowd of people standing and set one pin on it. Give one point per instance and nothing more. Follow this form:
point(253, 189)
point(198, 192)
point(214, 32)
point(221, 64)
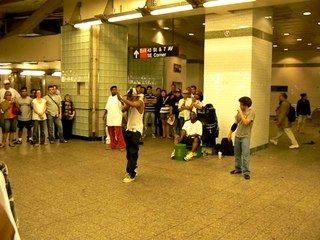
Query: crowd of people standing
point(34, 112)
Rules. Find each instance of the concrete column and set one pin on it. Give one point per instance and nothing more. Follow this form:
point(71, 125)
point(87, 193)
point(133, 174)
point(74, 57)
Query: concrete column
point(238, 58)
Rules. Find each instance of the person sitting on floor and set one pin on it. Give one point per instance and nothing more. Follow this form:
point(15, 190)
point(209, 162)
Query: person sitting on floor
point(190, 135)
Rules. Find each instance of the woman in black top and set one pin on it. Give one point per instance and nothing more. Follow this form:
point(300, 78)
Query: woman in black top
point(68, 113)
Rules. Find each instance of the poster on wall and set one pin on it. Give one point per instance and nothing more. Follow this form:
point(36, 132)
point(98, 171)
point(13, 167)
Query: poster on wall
point(177, 68)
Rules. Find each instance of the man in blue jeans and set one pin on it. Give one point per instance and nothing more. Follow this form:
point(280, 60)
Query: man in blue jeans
point(243, 124)
point(134, 105)
point(54, 114)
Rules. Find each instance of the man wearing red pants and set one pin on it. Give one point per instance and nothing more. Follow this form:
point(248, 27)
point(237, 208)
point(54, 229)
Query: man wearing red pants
point(113, 117)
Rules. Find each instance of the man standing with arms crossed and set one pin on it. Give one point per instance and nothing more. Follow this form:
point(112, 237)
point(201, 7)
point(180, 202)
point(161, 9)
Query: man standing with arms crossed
point(134, 105)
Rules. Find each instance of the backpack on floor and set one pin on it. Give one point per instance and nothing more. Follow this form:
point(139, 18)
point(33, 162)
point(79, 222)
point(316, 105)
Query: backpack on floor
point(227, 147)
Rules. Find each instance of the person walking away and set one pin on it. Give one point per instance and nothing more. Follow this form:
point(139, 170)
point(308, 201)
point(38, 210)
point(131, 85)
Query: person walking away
point(150, 102)
point(283, 123)
point(303, 111)
point(54, 114)
point(25, 118)
point(39, 117)
point(134, 105)
point(68, 113)
point(113, 118)
point(242, 125)
point(9, 118)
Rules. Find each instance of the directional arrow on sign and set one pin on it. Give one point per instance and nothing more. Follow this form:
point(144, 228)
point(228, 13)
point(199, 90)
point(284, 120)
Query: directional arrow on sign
point(136, 53)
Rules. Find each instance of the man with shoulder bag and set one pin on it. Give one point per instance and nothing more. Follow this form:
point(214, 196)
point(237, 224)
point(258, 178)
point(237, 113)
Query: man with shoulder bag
point(54, 115)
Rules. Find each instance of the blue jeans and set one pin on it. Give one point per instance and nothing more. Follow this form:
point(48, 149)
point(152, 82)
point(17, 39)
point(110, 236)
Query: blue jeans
point(35, 137)
point(54, 122)
point(242, 154)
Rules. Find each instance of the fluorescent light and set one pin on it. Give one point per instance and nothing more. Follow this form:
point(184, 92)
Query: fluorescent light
point(166, 28)
point(286, 49)
point(307, 13)
point(171, 9)
point(32, 73)
point(191, 34)
point(29, 35)
point(299, 39)
point(318, 23)
point(122, 17)
point(318, 48)
point(5, 71)
point(275, 45)
point(88, 24)
point(309, 44)
point(268, 17)
point(56, 74)
point(203, 24)
point(286, 34)
point(217, 3)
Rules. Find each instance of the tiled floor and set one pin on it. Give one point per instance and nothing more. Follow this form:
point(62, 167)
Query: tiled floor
point(75, 191)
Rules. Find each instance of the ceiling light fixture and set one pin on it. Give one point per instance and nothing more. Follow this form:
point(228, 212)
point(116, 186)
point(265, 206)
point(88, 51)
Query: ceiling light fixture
point(318, 23)
point(87, 23)
point(172, 9)
point(191, 34)
point(5, 71)
point(309, 44)
point(275, 45)
point(123, 17)
point(268, 17)
point(307, 13)
point(166, 28)
point(217, 3)
point(318, 48)
point(299, 39)
point(286, 49)
point(286, 34)
point(32, 73)
point(56, 74)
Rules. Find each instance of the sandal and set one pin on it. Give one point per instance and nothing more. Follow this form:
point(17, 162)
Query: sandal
point(2, 145)
point(236, 171)
point(11, 145)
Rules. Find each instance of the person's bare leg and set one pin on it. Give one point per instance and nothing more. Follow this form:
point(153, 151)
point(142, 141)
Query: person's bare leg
point(4, 139)
point(164, 128)
point(195, 145)
point(10, 139)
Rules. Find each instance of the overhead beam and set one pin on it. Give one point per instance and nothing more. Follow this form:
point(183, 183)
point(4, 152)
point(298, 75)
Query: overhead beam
point(36, 18)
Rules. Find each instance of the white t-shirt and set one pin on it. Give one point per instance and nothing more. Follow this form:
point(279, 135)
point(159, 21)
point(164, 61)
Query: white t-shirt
point(40, 107)
point(114, 115)
point(193, 128)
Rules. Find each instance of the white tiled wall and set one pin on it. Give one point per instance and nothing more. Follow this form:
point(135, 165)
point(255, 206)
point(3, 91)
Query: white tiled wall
point(111, 53)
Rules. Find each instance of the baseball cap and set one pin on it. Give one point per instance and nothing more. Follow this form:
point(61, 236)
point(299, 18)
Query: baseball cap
point(132, 92)
point(6, 81)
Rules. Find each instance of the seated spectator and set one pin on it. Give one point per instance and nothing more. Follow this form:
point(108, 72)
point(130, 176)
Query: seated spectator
point(190, 135)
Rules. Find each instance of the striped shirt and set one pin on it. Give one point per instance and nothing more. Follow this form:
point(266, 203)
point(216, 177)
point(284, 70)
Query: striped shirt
point(150, 101)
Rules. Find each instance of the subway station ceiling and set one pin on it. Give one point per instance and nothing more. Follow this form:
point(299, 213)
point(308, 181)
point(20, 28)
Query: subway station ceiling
point(292, 29)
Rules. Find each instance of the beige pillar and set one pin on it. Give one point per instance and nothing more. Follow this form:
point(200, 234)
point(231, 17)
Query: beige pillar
point(238, 58)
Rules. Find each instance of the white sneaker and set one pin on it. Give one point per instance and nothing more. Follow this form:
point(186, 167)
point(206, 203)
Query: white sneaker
point(153, 136)
point(294, 146)
point(274, 142)
point(173, 154)
point(189, 156)
point(128, 179)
